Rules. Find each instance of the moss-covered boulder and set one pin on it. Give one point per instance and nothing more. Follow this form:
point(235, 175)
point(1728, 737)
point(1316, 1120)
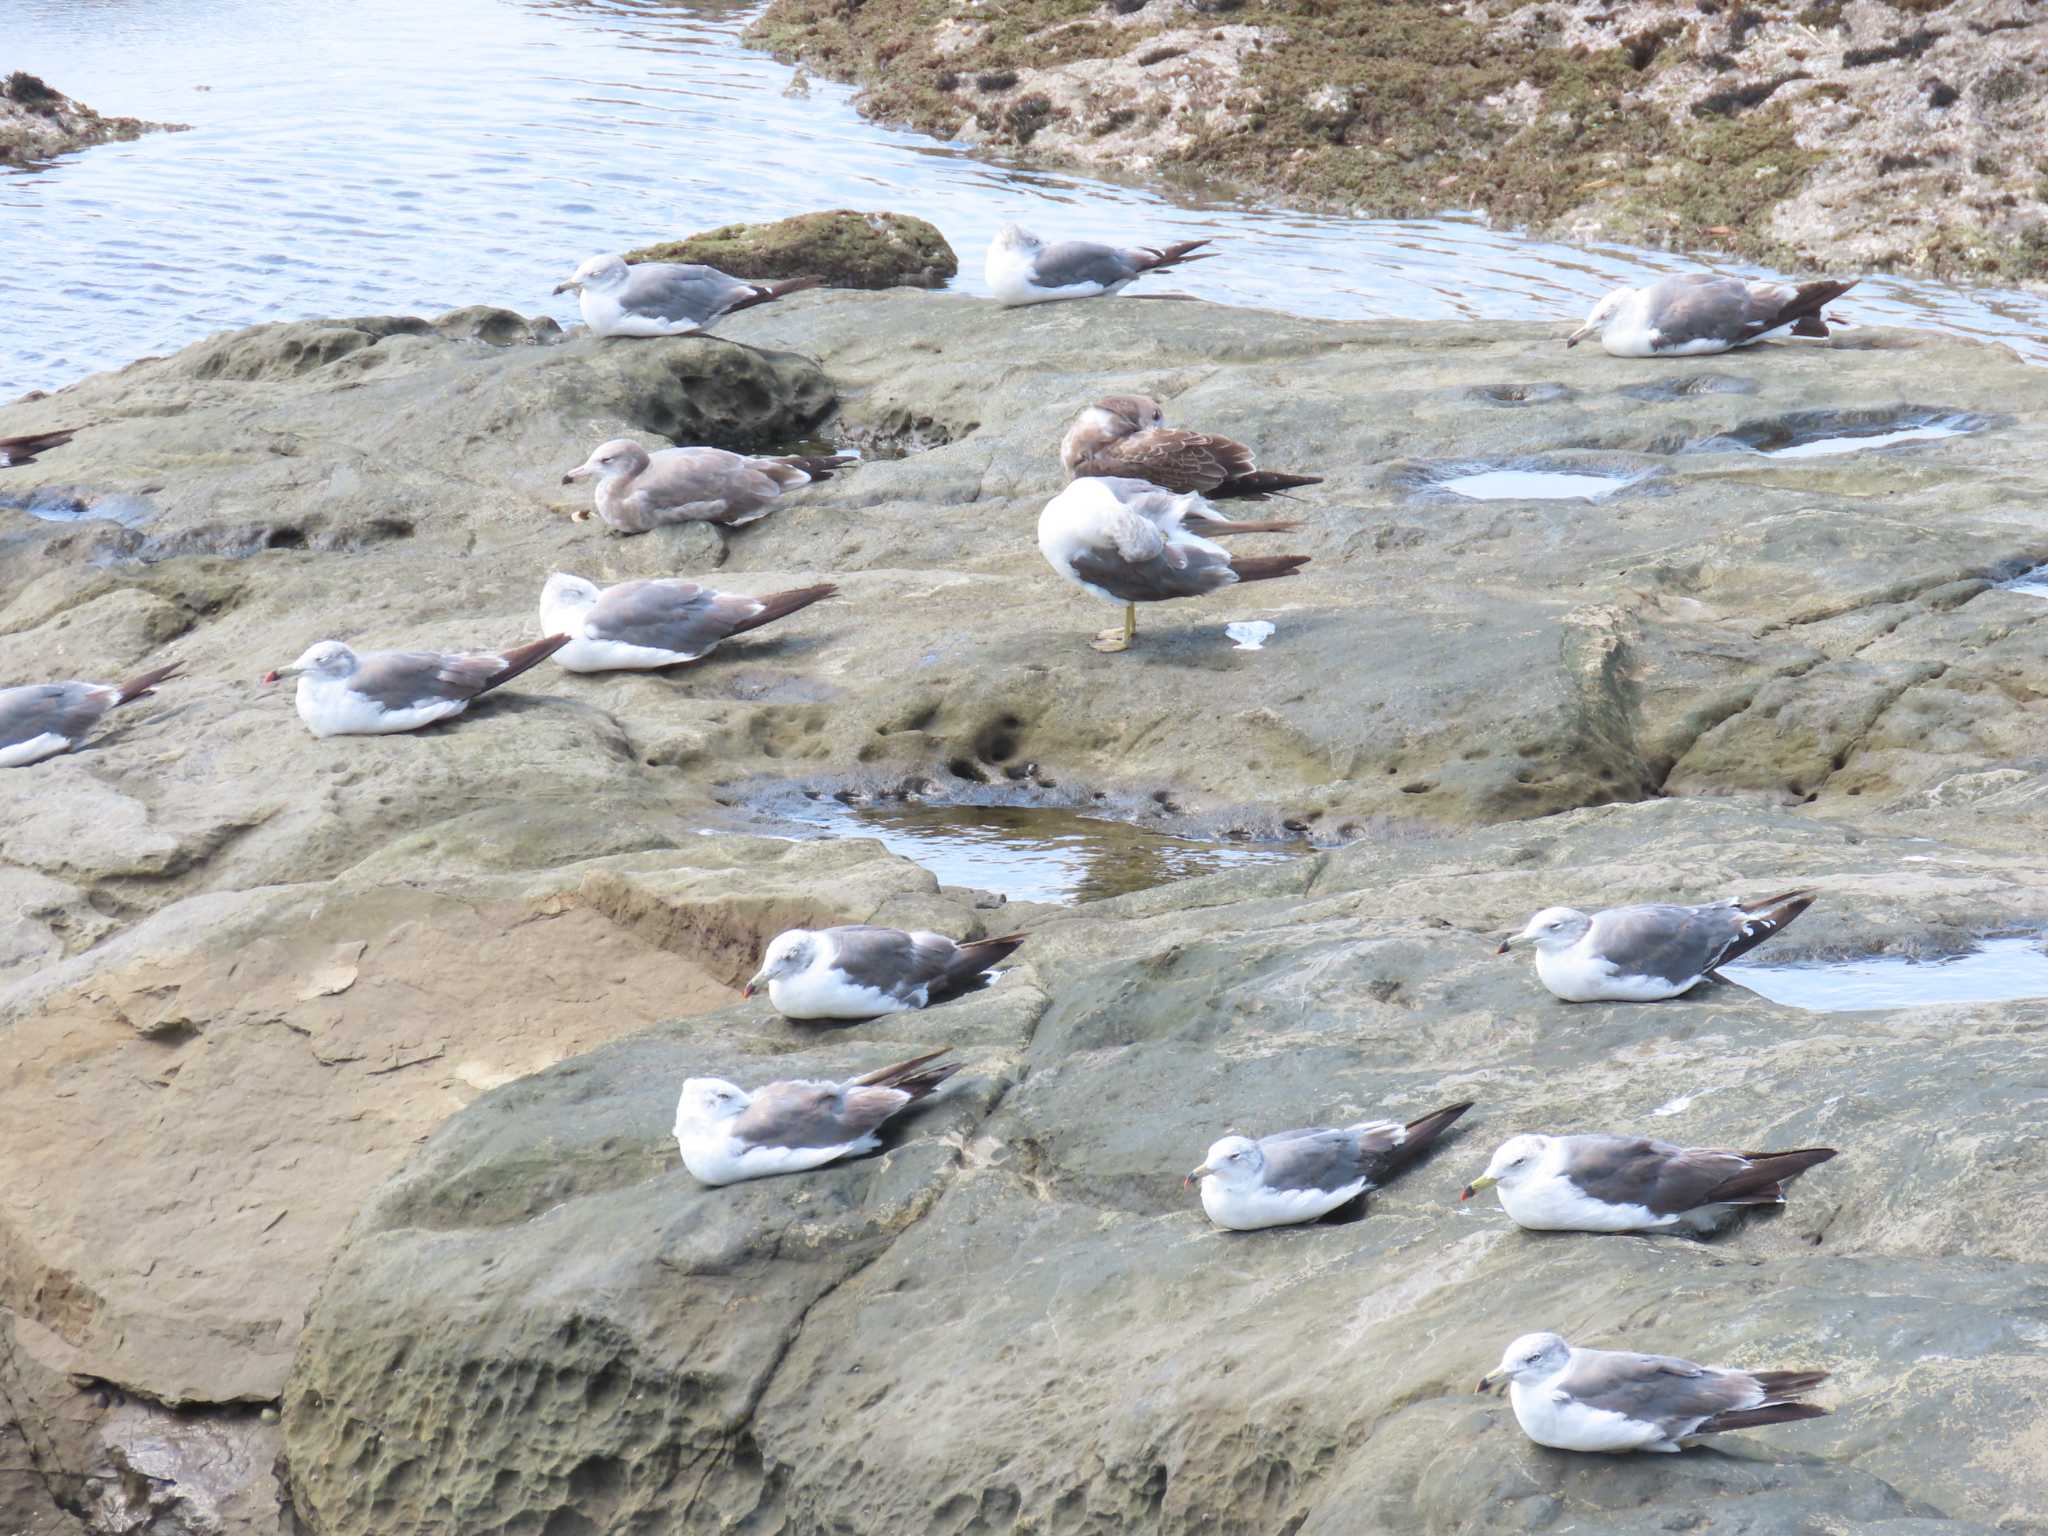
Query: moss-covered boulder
point(846, 248)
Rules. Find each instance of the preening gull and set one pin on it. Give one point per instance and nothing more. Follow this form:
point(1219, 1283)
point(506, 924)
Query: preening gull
point(1295, 1176)
point(1697, 312)
point(375, 693)
point(660, 298)
point(1612, 1400)
point(1127, 435)
point(642, 625)
point(861, 972)
point(23, 450)
point(1127, 542)
point(1603, 1183)
point(727, 1134)
point(638, 490)
point(1023, 269)
point(40, 720)
point(1648, 953)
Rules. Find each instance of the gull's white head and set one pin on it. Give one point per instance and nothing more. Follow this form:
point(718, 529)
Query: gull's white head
point(565, 591)
point(1532, 1357)
point(597, 275)
point(1015, 237)
point(1598, 316)
point(1516, 1159)
point(1551, 930)
point(787, 954)
point(620, 456)
point(1235, 1162)
point(708, 1100)
point(330, 658)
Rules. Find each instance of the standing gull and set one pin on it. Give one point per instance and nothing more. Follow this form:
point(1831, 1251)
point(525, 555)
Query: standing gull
point(638, 490)
point(660, 298)
point(861, 972)
point(1697, 313)
point(1023, 269)
point(727, 1134)
point(1613, 1400)
point(1126, 542)
point(1604, 1183)
point(1646, 954)
point(1295, 1176)
point(375, 693)
point(642, 625)
point(40, 720)
point(1127, 435)
point(23, 450)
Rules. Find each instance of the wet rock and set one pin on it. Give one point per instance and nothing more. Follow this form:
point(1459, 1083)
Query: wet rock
point(39, 122)
point(846, 248)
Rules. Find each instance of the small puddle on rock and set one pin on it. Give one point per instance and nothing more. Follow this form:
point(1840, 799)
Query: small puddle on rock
point(1997, 971)
point(2033, 582)
point(76, 504)
point(1824, 434)
point(1530, 484)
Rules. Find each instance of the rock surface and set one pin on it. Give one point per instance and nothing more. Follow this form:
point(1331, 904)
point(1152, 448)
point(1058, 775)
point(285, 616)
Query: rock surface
point(847, 248)
point(39, 122)
point(245, 974)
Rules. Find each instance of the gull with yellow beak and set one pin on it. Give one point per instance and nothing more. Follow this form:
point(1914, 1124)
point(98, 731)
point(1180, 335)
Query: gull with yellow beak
point(860, 971)
point(661, 298)
point(1647, 953)
point(1297, 1176)
point(1698, 313)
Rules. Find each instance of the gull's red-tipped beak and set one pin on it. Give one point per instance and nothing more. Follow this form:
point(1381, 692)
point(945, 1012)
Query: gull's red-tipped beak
point(1200, 1173)
point(1505, 946)
point(749, 990)
point(1469, 1192)
point(270, 676)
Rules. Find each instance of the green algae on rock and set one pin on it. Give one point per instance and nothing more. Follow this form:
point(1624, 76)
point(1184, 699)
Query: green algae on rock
point(848, 249)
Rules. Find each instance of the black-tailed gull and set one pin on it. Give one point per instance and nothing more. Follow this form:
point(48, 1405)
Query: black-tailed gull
point(727, 1134)
point(638, 490)
point(1697, 313)
point(1612, 1400)
point(1604, 1183)
point(1648, 953)
point(23, 450)
point(862, 972)
point(1023, 269)
point(375, 693)
point(660, 298)
point(1295, 1176)
point(662, 622)
point(40, 720)
point(1127, 542)
point(1127, 436)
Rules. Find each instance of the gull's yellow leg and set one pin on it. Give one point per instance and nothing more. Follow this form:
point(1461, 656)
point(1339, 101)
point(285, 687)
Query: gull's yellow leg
point(1119, 639)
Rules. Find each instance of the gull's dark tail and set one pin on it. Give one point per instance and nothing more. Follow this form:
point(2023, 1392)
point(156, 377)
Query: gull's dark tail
point(145, 682)
point(1764, 1181)
point(1803, 309)
point(1423, 1133)
point(518, 659)
point(23, 450)
point(780, 605)
point(819, 466)
point(1779, 1388)
point(1260, 484)
point(761, 293)
point(1165, 258)
point(979, 955)
point(1266, 567)
point(1761, 919)
point(916, 1077)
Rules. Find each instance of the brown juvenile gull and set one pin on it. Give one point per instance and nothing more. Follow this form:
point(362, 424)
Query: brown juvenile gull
point(375, 693)
point(1614, 1400)
point(23, 450)
point(1648, 953)
point(1023, 269)
point(861, 972)
point(1127, 436)
point(638, 490)
point(40, 720)
point(1606, 1183)
point(660, 298)
point(1295, 1176)
point(662, 622)
point(1696, 313)
point(727, 1134)
point(1127, 542)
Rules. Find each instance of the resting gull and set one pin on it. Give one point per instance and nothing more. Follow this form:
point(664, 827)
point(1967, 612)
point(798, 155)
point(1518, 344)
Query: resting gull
point(375, 693)
point(1023, 269)
point(663, 622)
point(40, 720)
point(660, 298)
point(23, 450)
point(1648, 953)
point(1127, 542)
point(861, 972)
point(1604, 1183)
point(1697, 313)
point(727, 1134)
point(1613, 1400)
point(638, 490)
point(1127, 436)
point(1295, 1176)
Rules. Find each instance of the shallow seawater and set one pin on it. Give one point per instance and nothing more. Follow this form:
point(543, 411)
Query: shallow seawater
point(1855, 442)
point(385, 156)
point(1528, 484)
point(1032, 853)
point(1997, 970)
point(2033, 582)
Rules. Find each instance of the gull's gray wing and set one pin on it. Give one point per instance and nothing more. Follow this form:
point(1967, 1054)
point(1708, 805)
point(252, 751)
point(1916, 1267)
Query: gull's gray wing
point(1321, 1158)
point(668, 614)
point(1655, 1389)
point(51, 709)
point(814, 1114)
point(1180, 569)
point(891, 961)
point(1700, 307)
point(680, 291)
point(702, 484)
point(402, 679)
point(1669, 942)
point(1634, 1170)
point(1069, 263)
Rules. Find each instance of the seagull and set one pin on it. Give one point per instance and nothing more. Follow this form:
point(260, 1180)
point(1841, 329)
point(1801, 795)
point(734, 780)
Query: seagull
point(377, 693)
point(1612, 1400)
point(660, 298)
point(1296, 1176)
point(638, 490)
point(23, 450)
point(1023, 269)
point(1127, 435)
point(1126, 541)
point(40, 720)
point(727, 1134)
point(1604, 1183)
point(642, 625)
point(1646, 954)
point(1697, 313)
point(861, 972)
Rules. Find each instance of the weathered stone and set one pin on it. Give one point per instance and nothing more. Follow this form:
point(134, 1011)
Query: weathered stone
point(38, 122)
point(847, 249)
